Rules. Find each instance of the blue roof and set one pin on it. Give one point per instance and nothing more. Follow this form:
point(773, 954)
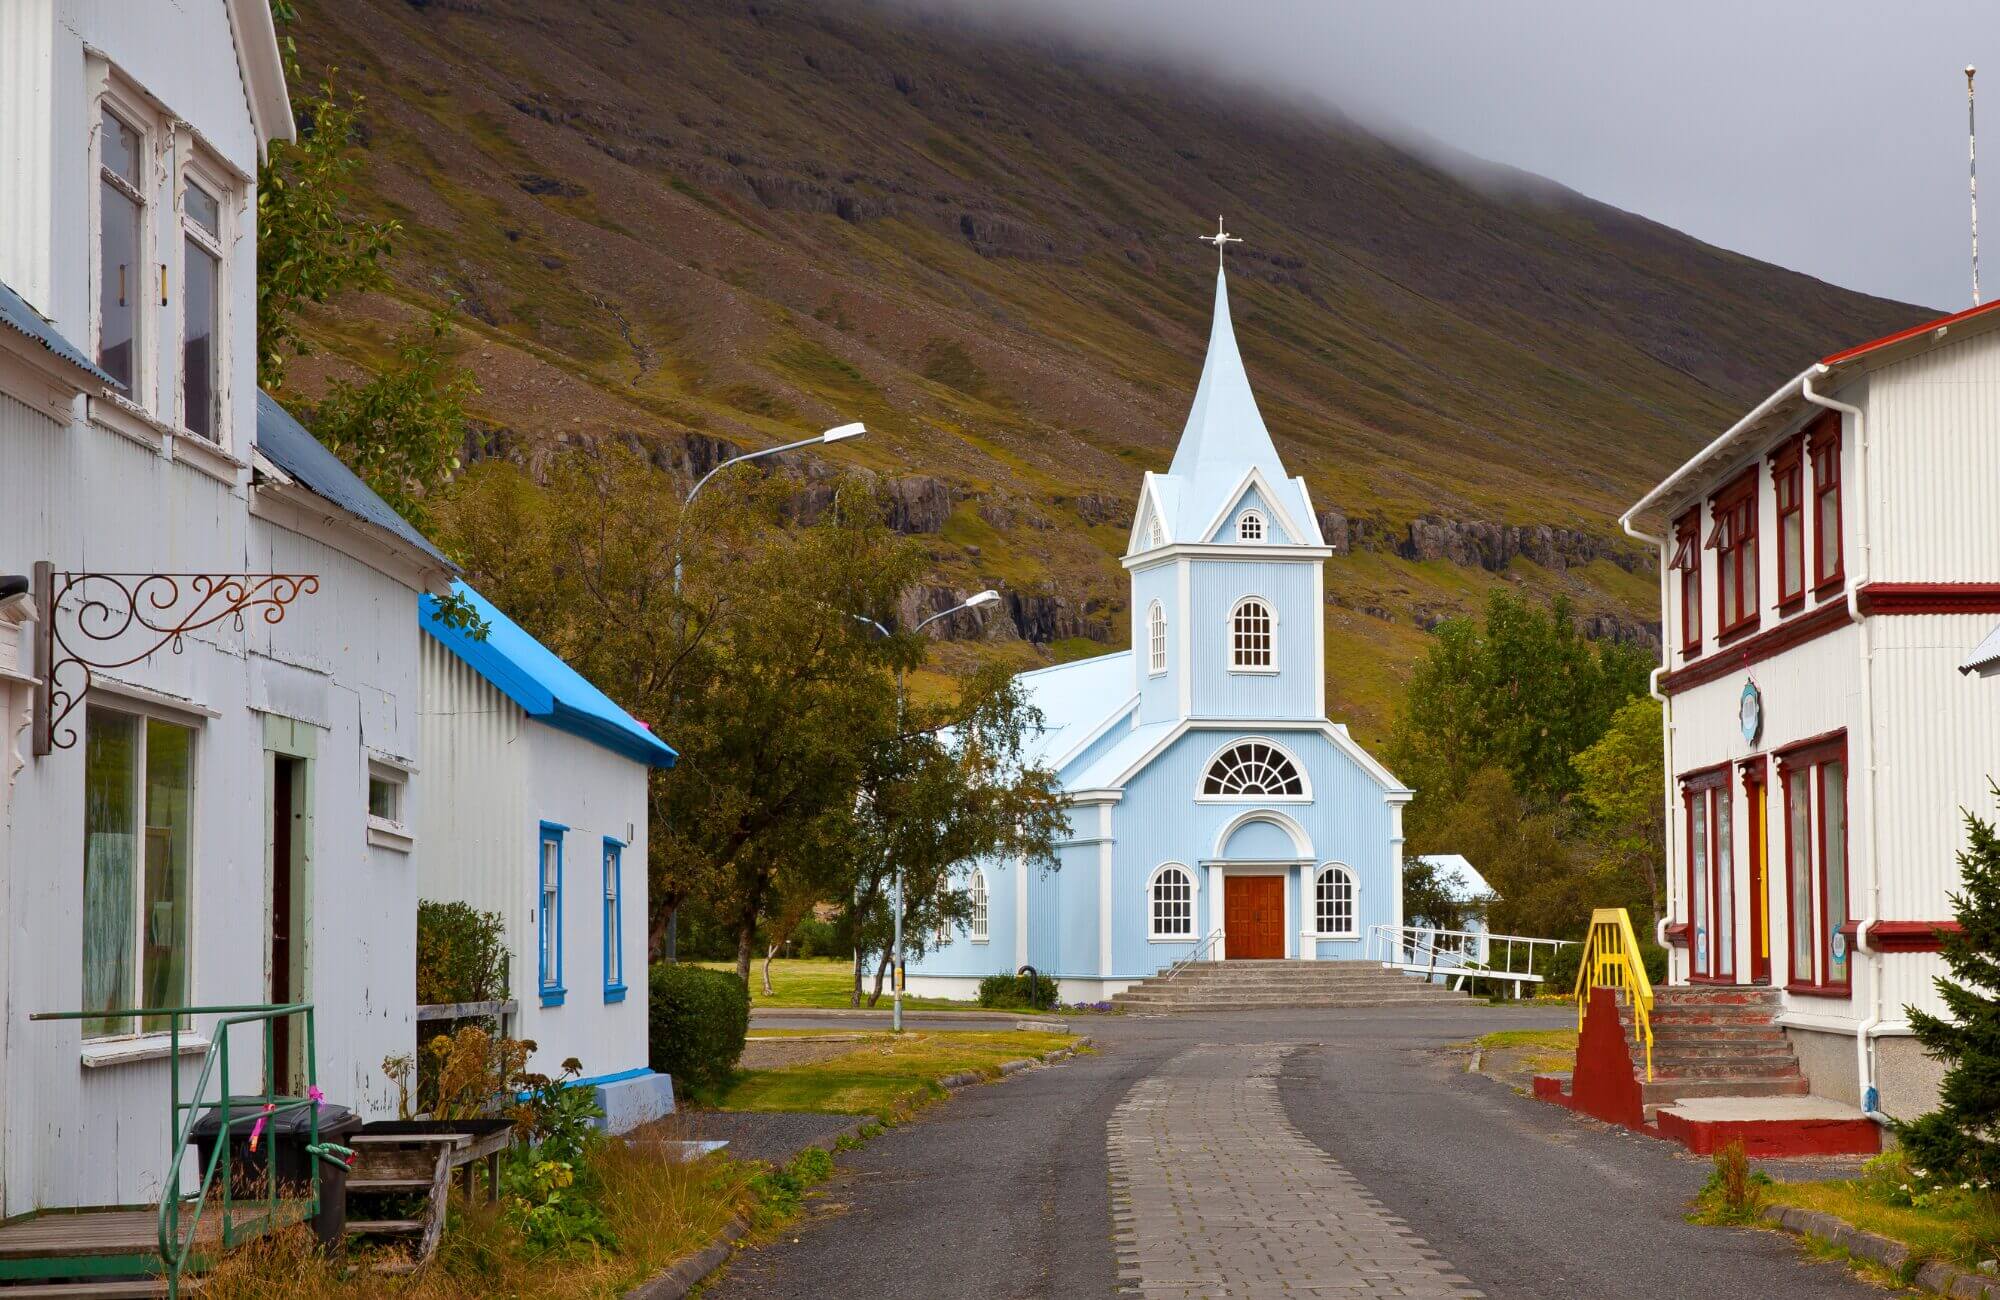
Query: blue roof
point(16, 314)
point(534, 677)
point(291, 447)
point(1077, 701)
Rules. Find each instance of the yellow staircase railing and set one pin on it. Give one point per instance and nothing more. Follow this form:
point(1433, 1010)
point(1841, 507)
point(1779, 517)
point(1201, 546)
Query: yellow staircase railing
point(1611, 960)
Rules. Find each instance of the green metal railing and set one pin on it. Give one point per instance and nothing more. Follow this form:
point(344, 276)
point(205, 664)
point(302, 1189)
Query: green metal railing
point(176, 1250)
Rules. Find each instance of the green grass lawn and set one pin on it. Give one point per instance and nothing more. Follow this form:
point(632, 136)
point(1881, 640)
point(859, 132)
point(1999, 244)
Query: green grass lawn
point(823, 982)
point(1959, 1229)
point(886, 1075)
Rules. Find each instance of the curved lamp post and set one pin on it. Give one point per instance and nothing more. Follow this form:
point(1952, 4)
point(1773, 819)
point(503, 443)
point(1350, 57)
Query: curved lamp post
point(839, 433)
point(987, 597)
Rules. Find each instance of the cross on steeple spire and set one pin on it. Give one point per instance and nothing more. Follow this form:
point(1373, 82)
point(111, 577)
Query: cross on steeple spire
point(1221, 239)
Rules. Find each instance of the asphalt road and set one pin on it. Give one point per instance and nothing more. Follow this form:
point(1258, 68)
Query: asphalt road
point(1003, 1190)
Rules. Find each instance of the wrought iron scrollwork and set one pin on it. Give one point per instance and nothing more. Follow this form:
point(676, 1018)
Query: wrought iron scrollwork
point(103, 621)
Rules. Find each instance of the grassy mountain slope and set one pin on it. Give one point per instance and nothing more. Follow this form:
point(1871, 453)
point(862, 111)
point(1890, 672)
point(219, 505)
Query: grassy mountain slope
point(743, 220)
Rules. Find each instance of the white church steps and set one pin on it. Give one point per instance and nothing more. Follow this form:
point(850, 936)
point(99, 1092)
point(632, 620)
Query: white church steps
point(1272, 985)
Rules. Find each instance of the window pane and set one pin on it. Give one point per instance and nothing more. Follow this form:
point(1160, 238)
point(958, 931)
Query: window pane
point(1793, 579)
point(203, 209)
point(1798, 809)
point(118, 150)
point(110, 837)
point(118, 285)
point(1725, 884)
point(200, 360)
point(1829, 534)
point(382, 799)
point(551, 917)
point(1748, 605)
point(169, 822)
point(1833, 830)
point(1698, 849)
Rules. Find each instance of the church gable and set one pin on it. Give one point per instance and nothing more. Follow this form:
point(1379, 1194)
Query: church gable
point(1254, 517)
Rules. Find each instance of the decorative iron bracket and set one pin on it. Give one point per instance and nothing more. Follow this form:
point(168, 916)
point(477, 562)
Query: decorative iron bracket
point(118, 619)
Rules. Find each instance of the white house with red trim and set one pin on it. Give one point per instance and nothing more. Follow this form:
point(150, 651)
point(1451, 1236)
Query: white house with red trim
point(1827, 565)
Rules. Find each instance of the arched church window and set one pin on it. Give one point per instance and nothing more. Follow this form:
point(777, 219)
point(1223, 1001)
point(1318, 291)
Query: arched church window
point(1155, 535)
point(1171, 903)
point(1250, 527)
point(1253, 767)
point(978, 892)
point(1156, 637)
point(1333, 901)
point(1250, 636)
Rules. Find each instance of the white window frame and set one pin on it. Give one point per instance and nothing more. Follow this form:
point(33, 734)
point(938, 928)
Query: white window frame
point(1339, 870)
point(1153, 932)
point(1251, 520)
point(978, 922)
point(391, 833)
point(1201, 794)
point(192, 163)
point(142, 1043)
point(1156, 639)
point(1156, 534)
point(113, 93)
point(1236, 662)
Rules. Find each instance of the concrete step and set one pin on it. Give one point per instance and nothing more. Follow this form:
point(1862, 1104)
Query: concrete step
point(1177, 1008)
point(1719, 995)
point(1759, 1051)
point(1658, 1090)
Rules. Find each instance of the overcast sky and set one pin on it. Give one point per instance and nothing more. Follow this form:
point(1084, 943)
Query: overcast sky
point(1828, 136)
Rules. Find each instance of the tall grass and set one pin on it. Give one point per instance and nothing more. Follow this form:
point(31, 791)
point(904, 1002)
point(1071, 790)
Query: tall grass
point(660, 1210)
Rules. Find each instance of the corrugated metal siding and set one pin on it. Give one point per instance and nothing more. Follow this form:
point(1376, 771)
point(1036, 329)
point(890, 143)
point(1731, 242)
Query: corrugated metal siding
point(1938, 744)
point(27, 46)
point(475, 832)
point(1934, 440)
point(1287, 586)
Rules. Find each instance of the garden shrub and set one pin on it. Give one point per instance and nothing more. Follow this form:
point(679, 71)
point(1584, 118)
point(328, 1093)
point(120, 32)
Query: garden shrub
point(813, 937)
point(1033, 992)
point(461, 954)
point(698, 1020)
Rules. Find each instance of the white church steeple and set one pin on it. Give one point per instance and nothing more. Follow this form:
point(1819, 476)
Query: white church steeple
point(1225, 452)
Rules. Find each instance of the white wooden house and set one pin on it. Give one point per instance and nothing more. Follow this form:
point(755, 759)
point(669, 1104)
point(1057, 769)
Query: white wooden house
point(537, 811)
point(183, 819)
point(1827, 564)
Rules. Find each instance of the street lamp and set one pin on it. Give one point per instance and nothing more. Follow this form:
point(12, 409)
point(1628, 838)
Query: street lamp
point(839, 433)
point(984, 598)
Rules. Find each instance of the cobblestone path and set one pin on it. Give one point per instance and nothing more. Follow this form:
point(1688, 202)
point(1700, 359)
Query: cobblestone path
point(1215, 1193)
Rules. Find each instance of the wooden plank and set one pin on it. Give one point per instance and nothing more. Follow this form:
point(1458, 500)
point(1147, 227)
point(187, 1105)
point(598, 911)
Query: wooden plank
point(440, 1197)
point(465, 1010)
point(384, 1227)
point(102, 1232)
point(379, 1186)
point(142, 1290)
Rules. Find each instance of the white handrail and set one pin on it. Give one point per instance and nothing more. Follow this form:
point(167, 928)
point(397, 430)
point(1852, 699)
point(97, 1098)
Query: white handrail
point(1206, 945)
point(1460, 954)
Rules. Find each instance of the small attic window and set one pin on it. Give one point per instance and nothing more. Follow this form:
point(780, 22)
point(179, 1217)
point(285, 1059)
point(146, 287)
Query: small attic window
point(1155, 535)
point(1250, 527)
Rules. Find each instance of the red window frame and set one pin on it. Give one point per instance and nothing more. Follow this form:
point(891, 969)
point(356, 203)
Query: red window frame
point(1687, 561)
point(1823, 449)
point(1733, 538)
point(1788, 491)
point(1811, 757)
point(1711, 788)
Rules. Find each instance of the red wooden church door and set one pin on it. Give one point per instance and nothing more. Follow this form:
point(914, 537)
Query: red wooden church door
point(1253, 916)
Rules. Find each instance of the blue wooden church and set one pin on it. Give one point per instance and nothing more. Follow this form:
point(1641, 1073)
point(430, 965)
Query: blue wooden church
point(1213, 806)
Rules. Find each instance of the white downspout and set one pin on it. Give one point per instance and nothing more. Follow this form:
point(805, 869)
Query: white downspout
point(1659, 545)
point(1864, 1033)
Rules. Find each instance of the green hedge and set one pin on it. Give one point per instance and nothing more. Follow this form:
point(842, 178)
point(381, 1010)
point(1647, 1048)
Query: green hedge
point(1034, 992)
point(697, 1020)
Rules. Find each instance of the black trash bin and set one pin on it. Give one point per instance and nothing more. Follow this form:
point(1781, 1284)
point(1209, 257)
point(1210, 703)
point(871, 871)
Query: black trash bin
point(286, 1135)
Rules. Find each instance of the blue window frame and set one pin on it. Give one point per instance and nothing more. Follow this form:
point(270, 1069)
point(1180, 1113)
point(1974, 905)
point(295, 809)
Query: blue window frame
point(549, 911)
point(614, 910)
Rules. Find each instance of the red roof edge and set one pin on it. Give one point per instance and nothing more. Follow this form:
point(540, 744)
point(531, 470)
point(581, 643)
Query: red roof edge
point(1859, 349)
